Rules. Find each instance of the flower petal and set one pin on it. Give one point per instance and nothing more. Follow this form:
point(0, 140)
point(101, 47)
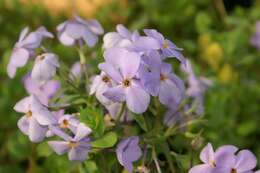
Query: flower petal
point(36, 131)
point(207, 154)
point(203, 168)
point(111, 71)
point(245, 161)
point(137, 99)
point(116, 94)
point(60, 147)
point(82, 131)
point(78, 154)
point(23, 124)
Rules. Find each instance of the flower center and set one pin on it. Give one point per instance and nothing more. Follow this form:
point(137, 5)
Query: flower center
point(29, 114)
point(233, 170)
point(163, 77)
point(105, 79)
point(165, 45)
point(64, 124)
point(213, 164)
point(73, 144)
point(126, 83)
point(41, 57)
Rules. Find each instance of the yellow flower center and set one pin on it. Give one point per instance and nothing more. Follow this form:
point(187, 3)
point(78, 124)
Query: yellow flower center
point(105, 79)
point(29, 114)
point(163, 77)
point(213, 163)
point(165, 45)
point(64, 124)
point(73, 144)
point(233, 170)
point(126, 83)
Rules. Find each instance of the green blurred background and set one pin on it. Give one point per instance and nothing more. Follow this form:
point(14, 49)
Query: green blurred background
point(215, 37)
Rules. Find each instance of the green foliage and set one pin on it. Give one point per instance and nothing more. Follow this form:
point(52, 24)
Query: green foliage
point(106, 141)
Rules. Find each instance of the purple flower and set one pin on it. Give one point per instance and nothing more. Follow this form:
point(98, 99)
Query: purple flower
point(168, 48)
point(36, 120)
point(123, 38)
point(255, 40)
point(212, 159)
point(79, 30)
point(24, 48)
point(158, 79)
point(44, 68)
point(65, 122)
point(196, 87)
point(128, 151)
point(122, 66)
point(77, 147)
point(244, 162)
point(100, 84)
point(44, 92)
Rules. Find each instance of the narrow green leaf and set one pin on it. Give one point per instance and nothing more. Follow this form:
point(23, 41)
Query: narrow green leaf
point(141, 121)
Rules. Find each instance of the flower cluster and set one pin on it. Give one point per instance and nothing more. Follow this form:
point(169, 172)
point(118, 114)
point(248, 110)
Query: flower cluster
point(134, 70)
point(226, 159)
point(39, 122)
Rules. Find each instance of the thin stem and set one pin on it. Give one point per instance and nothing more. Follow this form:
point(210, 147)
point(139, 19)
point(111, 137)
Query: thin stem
point(83, 65)
point(156, 161)
point(220, 7)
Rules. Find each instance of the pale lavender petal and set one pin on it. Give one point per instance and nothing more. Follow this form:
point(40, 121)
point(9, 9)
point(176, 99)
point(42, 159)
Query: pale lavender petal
point(207, 154)
point(123, 31)
point(41, 113)
point(225, 155)
point(23, 124)
point(245, 161)
point(203, 168)
point(170, 93)
point(146, 44)
point(23, 34)
point(166, 68)
point(116, 94)
point(90, 38)
point(95, 26)
point(57, 131)
point(111, 39)
point(60, 147)
point(155, 34)
point(36, 131)
point(18, 58)
point(23, 105)
point(111, 71)
point(78, 154)
point(82, 131)
point(114, 55)
point(66, 39)
point(129, 64)
point(137, 99)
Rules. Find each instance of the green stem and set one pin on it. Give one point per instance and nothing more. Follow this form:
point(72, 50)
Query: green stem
point(167, 152)
point(220, 7)
point(83, 65)
point(156, 161)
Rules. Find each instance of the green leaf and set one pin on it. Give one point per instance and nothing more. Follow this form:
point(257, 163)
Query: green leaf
point(91, 167)
point(108, 140)
point(43, 150)
point(94, 119)
point(141, 121)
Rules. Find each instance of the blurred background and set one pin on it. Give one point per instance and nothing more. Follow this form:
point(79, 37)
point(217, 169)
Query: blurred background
point(215, 35)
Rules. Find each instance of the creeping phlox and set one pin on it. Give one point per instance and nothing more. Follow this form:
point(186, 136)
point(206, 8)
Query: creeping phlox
point(135, 69)
point(226, 159)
